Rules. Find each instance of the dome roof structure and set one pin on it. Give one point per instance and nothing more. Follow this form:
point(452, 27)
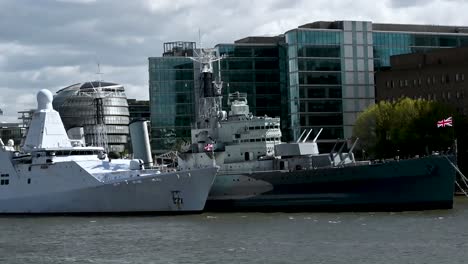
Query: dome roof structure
point(107, 86)
point(90, 104)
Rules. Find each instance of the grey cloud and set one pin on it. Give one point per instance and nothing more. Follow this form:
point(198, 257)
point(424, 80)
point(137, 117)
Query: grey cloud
point(409, 3)
point(51, 44)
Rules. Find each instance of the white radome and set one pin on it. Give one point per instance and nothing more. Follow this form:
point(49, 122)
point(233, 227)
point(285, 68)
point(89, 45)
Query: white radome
point(44, 99)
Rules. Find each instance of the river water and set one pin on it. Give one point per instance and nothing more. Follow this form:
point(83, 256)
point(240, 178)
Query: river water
point(437, 236)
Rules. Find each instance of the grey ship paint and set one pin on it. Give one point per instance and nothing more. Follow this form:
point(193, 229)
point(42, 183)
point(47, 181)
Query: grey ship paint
point(53, 174)
point(259, 172)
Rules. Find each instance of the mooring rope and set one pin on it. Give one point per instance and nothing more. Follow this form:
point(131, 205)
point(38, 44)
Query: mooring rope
point(464, 179)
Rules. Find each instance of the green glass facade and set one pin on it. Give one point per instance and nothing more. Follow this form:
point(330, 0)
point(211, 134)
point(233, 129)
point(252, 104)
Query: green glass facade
point(171, 84)
point(315, 91)
point(387, 44)
point(254, 70)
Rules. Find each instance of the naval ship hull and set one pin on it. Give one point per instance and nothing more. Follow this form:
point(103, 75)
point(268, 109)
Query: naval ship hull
point(424, 183)
point(168, 193)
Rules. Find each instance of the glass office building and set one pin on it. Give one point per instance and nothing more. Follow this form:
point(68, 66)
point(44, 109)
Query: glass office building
point(387, 43)
point(171, 83)
point(256, 66)
point(319, 75)
point(138, 109)
point(331, 77)
point(331, 68)
point(255, 70)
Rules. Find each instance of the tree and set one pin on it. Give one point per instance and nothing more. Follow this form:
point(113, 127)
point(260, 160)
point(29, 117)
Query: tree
point(406, 128)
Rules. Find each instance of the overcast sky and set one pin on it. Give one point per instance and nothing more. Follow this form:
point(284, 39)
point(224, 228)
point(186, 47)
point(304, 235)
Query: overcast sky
point(54, 43)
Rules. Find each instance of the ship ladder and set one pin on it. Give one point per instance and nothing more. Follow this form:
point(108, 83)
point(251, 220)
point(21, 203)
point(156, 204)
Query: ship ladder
point(462, 177)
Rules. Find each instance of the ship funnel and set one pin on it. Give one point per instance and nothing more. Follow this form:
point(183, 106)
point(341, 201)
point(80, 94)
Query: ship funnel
point(140, 141)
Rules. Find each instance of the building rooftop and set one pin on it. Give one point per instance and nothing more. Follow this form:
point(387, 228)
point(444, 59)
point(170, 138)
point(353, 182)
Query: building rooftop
point(93, 85)
point(10, 125)
point(338, 25)
point(391, 27)
point(441, 57)
point(323, 25)
point(260, 39)
point(419, 28)
point(179, 48)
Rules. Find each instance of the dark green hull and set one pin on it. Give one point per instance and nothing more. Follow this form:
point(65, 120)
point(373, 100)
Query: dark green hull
point(424, 183)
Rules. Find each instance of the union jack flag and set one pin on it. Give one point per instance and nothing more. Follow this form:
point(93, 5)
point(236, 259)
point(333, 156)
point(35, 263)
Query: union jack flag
point(445, 122)
point(208, 147)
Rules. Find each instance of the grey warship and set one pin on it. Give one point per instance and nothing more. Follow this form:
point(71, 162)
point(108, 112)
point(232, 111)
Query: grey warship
point(258, 172)
point(55, 175)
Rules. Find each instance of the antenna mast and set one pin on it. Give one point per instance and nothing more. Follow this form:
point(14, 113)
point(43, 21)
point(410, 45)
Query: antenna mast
point(99, 130)
point(210, 101)
point(199, 38)
point(99, 73)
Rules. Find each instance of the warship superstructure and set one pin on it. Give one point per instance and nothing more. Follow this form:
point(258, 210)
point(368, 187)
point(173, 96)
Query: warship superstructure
point(53, 174)
point(259, 172)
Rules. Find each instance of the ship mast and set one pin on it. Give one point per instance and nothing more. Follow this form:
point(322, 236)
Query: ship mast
point(99, 131)
point(100, 137)
point(209, 103)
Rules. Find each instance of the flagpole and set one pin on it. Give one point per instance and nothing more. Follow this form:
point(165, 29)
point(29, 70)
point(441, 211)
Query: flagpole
point(455, 146)
point(455, 143)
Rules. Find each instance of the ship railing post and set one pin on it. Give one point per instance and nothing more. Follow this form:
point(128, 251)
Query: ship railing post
point(213, 156)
